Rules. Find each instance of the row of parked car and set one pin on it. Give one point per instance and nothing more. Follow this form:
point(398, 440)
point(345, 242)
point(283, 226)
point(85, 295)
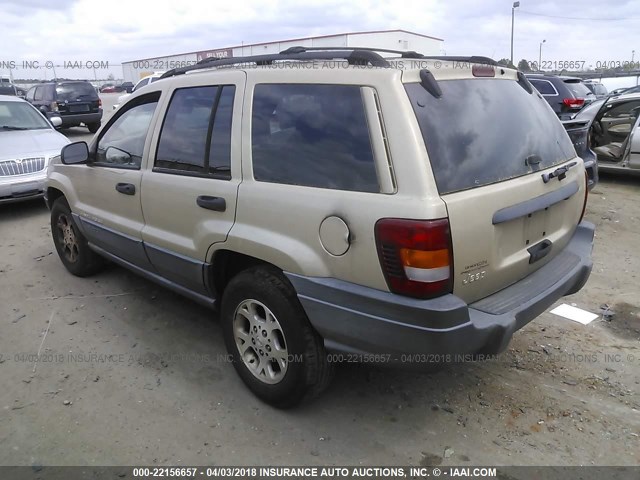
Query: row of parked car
point(116, 88)
point(602, 125)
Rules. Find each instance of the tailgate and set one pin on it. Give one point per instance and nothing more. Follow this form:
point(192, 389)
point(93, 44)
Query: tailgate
point(491, 142)
point(514, 228)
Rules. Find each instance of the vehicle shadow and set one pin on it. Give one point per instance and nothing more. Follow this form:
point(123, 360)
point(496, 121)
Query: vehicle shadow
point(76, 134)
point(22, 210)
point(619, 178)
point(396, 397)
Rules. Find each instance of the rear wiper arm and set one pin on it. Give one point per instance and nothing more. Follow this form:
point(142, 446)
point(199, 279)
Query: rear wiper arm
point(559, 173)
point(10, 127)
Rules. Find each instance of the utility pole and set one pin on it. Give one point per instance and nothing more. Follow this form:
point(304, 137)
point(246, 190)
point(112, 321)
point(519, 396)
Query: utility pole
point(513, 13)
point(540, 55)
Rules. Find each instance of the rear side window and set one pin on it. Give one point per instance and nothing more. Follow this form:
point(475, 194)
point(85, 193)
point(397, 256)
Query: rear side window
point(543, 86)
point(312, 135)
point(73, 91)
point(483, 131)
point(196, 133)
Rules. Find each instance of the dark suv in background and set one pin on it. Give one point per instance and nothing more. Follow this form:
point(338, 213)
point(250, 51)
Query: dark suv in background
point(597, 88)
point(566, 95)
point(76, 102)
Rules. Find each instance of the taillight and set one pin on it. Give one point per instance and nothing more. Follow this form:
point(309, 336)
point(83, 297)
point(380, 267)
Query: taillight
point(416, 256)
point(586, 195)
point(573, 102)
point(99, 102)
point(54, 106)
point(483, 71)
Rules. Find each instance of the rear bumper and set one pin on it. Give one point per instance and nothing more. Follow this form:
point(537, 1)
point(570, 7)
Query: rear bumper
point(359, 320)
point(74, 119)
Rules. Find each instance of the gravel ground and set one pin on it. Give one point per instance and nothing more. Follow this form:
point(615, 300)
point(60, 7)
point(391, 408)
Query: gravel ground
point(132, 374)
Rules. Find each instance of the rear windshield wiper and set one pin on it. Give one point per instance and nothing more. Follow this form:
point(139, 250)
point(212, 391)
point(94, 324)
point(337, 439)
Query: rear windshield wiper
point(559, 173)
point(11, 127)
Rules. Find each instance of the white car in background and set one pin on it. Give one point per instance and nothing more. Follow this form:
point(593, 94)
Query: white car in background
point(141, 83)
point(28, 141)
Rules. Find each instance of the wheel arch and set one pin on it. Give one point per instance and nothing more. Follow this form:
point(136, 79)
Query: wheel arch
point(226, 264)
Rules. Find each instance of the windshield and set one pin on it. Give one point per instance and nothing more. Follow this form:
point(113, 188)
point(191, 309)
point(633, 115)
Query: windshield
point(20, 116)
point(71, 91)
point(483, 131)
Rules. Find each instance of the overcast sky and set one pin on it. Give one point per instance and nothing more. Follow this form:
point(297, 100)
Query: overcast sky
point(122, 30)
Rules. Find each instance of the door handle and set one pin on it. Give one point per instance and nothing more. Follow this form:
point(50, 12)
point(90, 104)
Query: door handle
point(126, 188)
point(212, 203)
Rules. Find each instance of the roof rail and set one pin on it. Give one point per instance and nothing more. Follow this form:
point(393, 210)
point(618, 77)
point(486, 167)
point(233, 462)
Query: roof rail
point(352, 56)
point(402, 53)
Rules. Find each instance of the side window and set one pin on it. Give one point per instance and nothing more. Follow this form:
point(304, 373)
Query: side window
point(312, 135)
point(122, 143)
point(39, 93)
point(543, 86)
point(30, 94)
point(196, 133)
point(621, 110)
point(141, 84)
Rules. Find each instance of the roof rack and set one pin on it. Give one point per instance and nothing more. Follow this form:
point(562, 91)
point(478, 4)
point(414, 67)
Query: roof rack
point(353, 55)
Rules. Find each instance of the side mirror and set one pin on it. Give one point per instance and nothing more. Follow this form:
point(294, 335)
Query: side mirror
point(75, 153)
point(55, 121)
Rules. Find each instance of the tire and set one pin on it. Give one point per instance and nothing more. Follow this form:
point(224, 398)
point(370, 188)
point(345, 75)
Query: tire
point(93, 127)
point(72, 247)
point(305, 371)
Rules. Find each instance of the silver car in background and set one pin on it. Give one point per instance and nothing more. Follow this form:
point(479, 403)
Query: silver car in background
point(27, 143)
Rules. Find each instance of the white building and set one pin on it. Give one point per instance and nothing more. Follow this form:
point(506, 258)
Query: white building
point(390, 39)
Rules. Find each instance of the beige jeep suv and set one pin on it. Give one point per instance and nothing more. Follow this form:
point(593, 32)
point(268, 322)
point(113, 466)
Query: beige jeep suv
point(337, 205)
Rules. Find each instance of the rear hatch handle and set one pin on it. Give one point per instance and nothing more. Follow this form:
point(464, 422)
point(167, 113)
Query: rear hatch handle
point(539, 250)
point(559, 173)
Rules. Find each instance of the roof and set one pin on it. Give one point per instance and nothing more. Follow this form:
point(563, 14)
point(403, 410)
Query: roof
point(294, 40)
point(10, 98)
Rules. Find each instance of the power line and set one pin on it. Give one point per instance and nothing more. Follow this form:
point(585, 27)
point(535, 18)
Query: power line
point(622, 19)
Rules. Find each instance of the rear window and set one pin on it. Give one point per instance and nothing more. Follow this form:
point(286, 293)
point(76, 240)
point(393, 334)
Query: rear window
point(601, 89)
point(71, 91)
point(578, 88)
point(483, 131)
point(7, 90)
